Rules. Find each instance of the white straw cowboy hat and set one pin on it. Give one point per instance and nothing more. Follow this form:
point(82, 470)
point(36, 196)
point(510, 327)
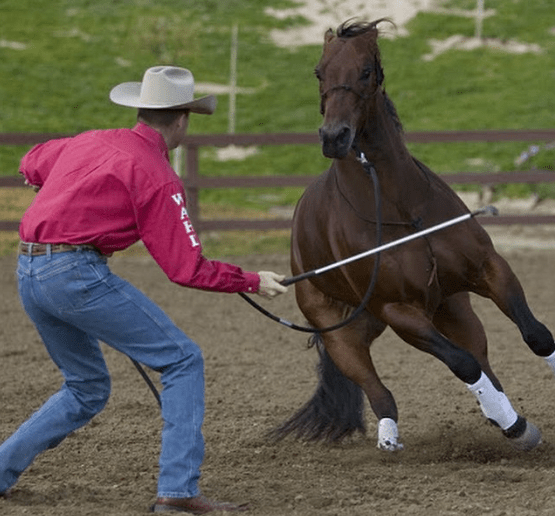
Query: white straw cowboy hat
point(163, 87)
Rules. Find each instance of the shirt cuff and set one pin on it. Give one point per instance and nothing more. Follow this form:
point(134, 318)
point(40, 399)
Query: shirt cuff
point(253, 282)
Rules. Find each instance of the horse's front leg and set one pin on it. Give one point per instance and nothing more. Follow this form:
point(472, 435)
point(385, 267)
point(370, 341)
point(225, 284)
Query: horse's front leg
point(412, 325)
point(348, 350)
point(455, 318)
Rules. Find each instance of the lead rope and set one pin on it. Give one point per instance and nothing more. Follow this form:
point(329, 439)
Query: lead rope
point(369, 169)
point(148, 381)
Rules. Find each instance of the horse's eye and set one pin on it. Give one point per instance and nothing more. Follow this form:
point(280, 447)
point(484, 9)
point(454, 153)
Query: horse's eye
point(366, 73)
point(317, 74)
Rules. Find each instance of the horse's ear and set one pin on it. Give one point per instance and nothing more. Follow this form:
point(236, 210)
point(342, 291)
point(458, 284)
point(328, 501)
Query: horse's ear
point(379, 71)
point(328, 36)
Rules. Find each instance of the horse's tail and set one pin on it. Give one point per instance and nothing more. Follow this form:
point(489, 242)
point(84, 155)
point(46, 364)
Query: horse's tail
point(335, 411)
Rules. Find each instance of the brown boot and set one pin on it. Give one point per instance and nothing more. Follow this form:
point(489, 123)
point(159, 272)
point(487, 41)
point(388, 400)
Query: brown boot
point(196, 505)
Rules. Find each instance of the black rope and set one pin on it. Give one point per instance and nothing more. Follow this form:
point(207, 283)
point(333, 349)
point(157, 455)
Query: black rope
point(148, 381)
point(369, 169)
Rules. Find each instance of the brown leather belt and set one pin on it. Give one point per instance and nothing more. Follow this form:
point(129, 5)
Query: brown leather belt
point(33, 249)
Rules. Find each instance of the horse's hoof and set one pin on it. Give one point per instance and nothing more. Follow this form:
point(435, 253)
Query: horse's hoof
point(523, 435)
point(388, 436)
point(390, 446)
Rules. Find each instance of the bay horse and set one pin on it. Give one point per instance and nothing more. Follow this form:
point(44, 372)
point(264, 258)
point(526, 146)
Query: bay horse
point(422, 288)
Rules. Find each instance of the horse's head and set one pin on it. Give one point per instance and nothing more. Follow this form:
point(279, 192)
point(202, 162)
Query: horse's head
point(350, 75)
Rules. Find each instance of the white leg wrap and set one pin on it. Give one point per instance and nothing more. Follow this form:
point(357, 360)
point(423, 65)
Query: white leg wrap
point(551, 361)
point(494, 404)
point(388, 435)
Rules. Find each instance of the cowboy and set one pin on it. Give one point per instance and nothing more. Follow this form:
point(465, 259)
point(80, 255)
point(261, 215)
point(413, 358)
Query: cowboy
point(100, 192)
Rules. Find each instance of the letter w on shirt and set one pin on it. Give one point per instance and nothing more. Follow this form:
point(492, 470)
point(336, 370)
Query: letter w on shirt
point(189, 229)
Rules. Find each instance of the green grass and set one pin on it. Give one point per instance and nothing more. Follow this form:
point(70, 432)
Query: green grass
point(77, 50)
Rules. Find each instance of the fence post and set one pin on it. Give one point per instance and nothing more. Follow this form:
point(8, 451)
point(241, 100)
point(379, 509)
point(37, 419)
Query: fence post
point(479, 18)
point(191, 185)
point(177, 161)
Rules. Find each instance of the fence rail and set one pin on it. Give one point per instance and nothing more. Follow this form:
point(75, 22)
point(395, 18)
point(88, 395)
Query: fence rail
point(194, 182)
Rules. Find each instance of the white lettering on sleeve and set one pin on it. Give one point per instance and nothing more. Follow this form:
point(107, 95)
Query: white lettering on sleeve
point(191, 232)
point(178, 198)
point(187, 224)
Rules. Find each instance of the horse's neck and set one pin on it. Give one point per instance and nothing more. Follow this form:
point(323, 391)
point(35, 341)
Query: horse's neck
point(404, 187)
point(382, 140)
point(384, 146)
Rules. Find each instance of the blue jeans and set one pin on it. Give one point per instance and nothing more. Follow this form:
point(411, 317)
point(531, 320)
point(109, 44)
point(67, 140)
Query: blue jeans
point(74, 301)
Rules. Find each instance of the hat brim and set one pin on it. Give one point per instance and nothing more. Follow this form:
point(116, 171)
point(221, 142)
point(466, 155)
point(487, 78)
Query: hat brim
point(128, 94)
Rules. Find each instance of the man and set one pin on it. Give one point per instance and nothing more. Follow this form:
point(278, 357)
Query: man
point(100, 192)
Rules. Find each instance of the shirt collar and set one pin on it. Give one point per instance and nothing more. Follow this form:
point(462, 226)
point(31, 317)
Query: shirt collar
point(153, 136)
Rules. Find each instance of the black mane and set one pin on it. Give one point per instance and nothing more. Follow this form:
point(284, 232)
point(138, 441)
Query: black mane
point(351, 29)
point(392, 111)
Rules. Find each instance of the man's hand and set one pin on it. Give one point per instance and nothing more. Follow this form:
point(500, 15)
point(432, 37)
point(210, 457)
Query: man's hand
point(269, 284)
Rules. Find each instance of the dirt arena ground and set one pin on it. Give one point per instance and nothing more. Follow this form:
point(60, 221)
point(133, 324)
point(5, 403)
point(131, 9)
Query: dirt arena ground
point(257, 374)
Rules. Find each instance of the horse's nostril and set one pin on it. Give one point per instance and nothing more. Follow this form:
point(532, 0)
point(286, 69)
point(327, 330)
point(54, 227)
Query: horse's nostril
point(336, 136)
point(344, 135)
point(336, 140)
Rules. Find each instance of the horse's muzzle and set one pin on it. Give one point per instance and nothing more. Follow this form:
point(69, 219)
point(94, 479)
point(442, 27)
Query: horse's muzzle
point(336, 141)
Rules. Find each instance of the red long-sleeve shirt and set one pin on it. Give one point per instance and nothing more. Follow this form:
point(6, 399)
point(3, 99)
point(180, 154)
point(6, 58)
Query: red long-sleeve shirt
point(111, 188)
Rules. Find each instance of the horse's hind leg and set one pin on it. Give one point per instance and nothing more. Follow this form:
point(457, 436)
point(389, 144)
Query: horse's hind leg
point(502, 286)
point(412, 325)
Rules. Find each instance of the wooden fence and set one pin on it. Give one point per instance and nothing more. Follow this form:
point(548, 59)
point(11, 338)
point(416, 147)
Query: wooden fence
point(194, 182)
